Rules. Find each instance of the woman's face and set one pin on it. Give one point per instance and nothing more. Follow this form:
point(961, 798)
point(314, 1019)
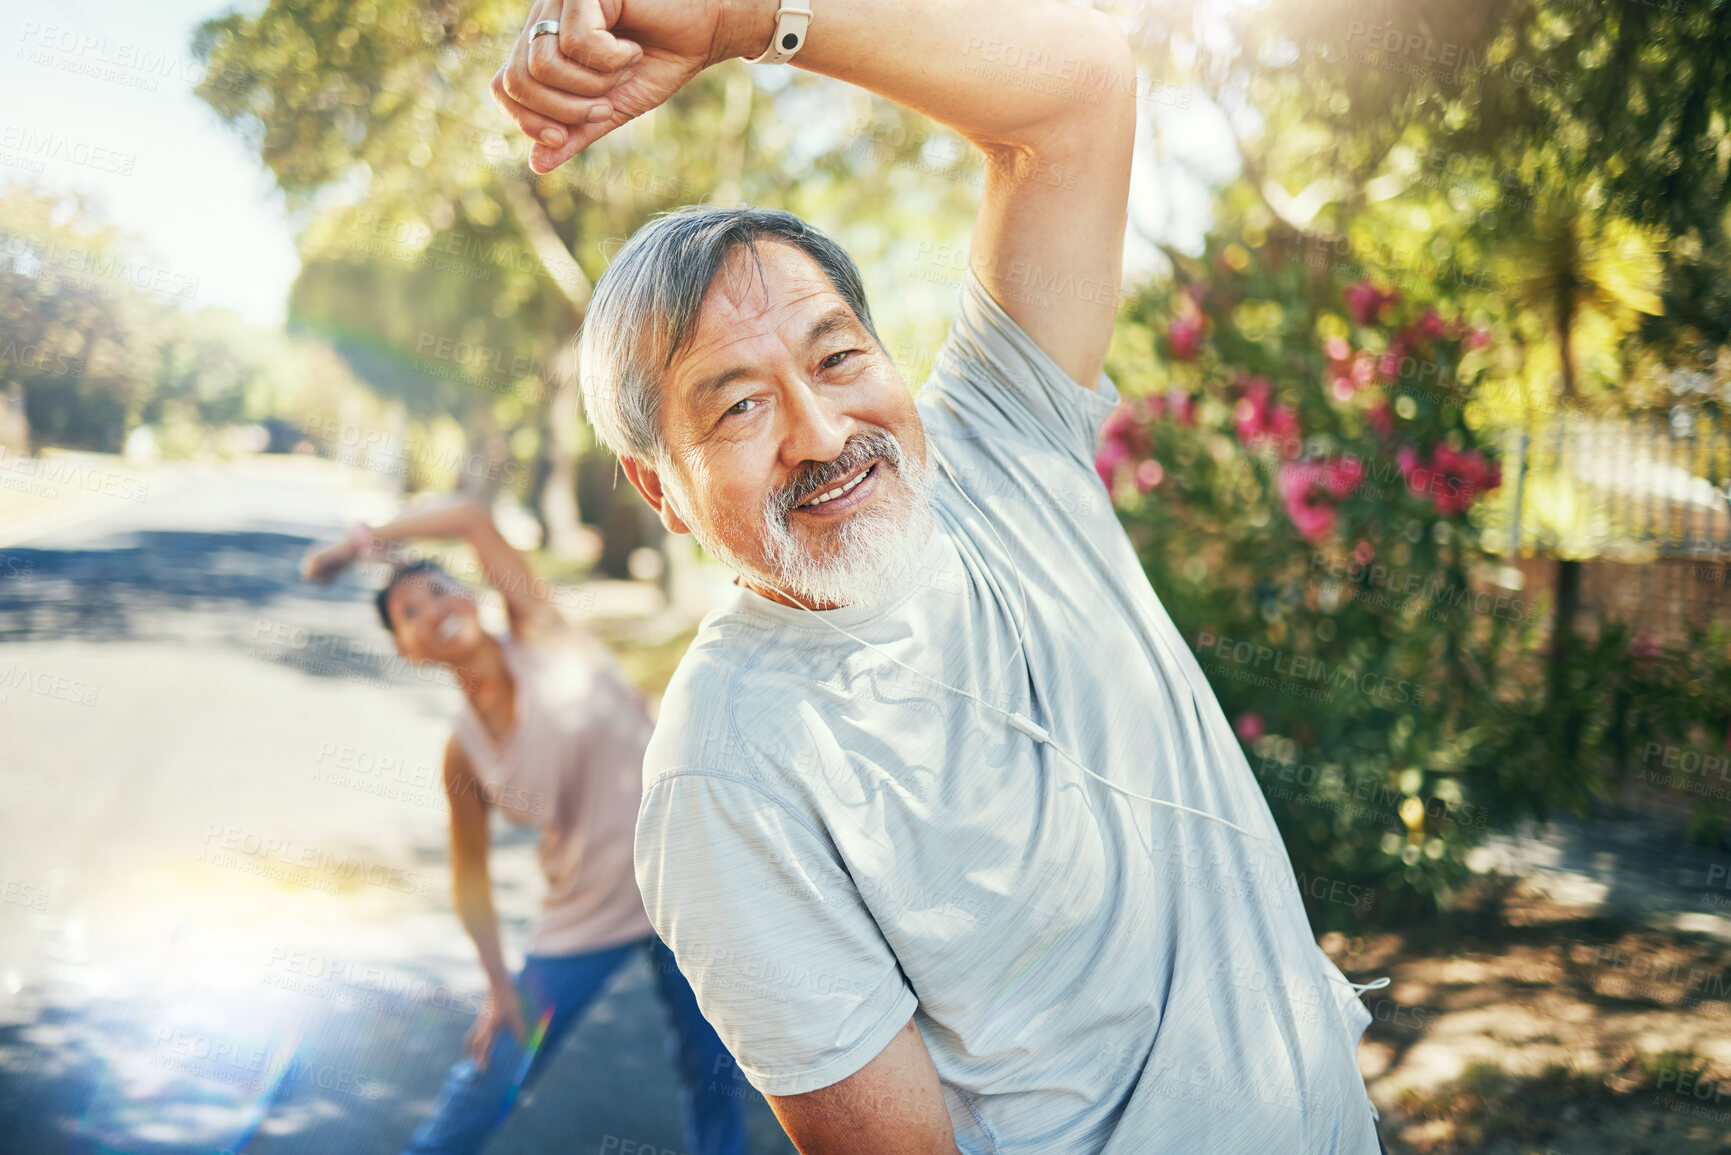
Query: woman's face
point(433, 617)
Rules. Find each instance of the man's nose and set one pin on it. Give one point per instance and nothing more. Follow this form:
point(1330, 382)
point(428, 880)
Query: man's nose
point(815, 427)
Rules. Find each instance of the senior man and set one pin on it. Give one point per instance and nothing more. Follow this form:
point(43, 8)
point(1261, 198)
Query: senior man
point(941, 819)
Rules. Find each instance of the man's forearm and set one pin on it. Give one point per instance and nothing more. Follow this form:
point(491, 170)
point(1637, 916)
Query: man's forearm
point(999, 72)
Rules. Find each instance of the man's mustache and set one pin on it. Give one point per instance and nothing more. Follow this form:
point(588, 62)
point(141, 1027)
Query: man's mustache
point(858, 450)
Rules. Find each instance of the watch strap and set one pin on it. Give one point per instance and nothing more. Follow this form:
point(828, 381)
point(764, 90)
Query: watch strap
point(792, 20)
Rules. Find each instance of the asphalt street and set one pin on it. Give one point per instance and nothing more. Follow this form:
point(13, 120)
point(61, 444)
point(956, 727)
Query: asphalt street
point(225, 920)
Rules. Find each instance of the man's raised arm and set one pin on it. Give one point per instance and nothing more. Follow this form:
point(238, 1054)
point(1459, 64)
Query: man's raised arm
point(1044, 88)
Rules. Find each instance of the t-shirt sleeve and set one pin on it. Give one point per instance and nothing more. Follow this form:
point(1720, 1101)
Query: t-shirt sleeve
point(991, 379)
point(786, 962)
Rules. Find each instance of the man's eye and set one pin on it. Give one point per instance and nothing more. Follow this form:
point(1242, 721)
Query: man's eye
point(735, 407)
point(834, 359)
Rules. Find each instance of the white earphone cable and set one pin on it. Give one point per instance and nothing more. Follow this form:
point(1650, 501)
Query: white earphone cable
point(1031, 728)
point(1018, 721)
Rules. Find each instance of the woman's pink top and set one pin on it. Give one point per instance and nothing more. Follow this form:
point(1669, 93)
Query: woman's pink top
point(573, 767)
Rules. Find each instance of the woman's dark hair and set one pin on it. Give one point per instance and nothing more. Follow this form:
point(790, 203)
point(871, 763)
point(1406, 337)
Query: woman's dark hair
point(405, 570)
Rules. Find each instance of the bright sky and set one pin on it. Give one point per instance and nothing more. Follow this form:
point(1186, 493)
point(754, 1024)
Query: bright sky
point(96, 97)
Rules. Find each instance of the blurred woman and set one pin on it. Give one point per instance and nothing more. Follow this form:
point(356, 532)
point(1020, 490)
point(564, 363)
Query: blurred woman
point(551, 734)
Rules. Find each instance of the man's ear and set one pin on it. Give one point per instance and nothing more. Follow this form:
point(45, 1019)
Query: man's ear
point(648, 482)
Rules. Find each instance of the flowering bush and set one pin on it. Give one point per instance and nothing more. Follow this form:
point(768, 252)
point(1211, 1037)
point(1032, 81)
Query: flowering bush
point(1292, 461)
point(1293, 464)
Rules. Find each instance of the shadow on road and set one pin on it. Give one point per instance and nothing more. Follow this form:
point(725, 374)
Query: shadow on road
point(135, 589)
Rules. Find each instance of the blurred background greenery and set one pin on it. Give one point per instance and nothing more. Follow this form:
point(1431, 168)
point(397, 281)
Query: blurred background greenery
point(1381, 407)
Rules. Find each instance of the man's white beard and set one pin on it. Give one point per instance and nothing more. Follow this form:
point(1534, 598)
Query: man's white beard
point(872, 555)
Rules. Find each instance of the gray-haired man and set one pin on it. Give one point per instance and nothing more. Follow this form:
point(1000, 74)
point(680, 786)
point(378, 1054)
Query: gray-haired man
point(941, 819)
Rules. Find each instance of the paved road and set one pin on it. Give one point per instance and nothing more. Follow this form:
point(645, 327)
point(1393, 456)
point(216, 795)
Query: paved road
point(224, 913)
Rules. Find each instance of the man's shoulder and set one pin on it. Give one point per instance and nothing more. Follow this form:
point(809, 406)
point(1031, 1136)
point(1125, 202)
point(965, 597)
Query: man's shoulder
point(731, 707)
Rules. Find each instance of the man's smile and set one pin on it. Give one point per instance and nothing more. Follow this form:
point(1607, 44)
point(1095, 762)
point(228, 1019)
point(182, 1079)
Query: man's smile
point(848, 493)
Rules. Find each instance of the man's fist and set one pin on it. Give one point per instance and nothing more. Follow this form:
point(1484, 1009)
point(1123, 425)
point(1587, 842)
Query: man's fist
point(612, 61)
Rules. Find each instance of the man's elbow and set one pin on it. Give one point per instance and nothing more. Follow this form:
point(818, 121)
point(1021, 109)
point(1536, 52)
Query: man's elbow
point(1097, 118)
point(1117, 84)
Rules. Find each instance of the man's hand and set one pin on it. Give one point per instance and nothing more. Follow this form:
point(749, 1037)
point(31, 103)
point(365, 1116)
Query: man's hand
point(501, 1011)
point(611, 63)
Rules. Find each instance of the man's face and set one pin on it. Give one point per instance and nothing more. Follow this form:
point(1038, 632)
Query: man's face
point(781, 399)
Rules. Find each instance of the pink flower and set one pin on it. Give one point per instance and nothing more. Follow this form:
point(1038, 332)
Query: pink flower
point(1123, 439)
point(1121, 422)
point(1184, 334)
point(1342, 475)
point(1381, 418)
point(1645, 645)
point(1183, 409)
point(1366, 302)
point(1337, 349)
point(1303, 493)
point(1430, 323)
point(1149, 474)
point(1451, 479)
point(1112, 453)
point(1249, 727)
point(1255, 420)
point(1479, 338)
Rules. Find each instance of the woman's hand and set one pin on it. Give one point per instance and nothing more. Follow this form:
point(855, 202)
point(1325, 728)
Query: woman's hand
point(612, 61)
point(323, 563)
point(502, 1011)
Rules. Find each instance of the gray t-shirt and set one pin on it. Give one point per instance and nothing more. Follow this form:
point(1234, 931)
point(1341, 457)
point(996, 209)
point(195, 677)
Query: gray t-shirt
point(831, 843)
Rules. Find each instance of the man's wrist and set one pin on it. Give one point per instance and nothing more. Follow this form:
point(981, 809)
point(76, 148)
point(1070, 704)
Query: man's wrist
point(747, 26)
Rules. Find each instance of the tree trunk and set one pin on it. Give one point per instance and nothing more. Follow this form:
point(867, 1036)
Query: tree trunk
point(557, 500)
point(730, 147)
point(1568, 600)
point(566, 537)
